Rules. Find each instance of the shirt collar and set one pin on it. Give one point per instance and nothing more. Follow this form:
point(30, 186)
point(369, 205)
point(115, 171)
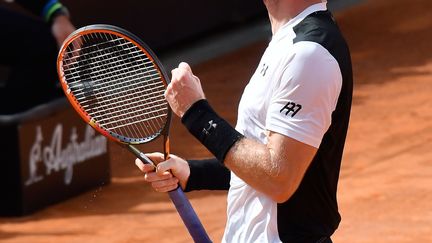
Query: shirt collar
point(287, 28)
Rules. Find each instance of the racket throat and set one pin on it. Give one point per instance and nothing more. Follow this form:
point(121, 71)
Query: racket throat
point(166, 146)
point(140, 155)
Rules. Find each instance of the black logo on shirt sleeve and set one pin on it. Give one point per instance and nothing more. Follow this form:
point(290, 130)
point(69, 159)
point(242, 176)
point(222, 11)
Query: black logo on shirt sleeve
point(291, 108)
point(264, 69)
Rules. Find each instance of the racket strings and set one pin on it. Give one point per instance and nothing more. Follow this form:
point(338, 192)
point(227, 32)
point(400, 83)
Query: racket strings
point(153, 92)
point(130, 119)
point(101, 73)
point(107, 110)
point(119, 68)
point(158, 101)
point(117, 84)
point(75, 54)
point(116, 117)
point(80, 90)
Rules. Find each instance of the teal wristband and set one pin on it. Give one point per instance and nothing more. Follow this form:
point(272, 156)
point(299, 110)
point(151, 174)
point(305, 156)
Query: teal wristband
point(53, 9)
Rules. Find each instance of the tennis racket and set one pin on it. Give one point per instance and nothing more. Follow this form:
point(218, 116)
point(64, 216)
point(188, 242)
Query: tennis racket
point(116, 84)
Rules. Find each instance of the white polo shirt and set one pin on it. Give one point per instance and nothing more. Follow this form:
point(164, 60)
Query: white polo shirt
point(293, 91)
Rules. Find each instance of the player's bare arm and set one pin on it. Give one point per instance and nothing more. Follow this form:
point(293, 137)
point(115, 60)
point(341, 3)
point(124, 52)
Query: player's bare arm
point(275, 168)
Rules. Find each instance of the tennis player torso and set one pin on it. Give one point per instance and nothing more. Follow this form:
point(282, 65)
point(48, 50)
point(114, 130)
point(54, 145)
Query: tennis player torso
point(251, 215)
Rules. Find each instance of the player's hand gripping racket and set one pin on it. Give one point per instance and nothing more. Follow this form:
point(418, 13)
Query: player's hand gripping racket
point(117, 84)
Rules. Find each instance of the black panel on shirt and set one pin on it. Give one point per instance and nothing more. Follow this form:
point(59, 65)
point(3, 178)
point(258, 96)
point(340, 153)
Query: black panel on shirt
point(312, 212)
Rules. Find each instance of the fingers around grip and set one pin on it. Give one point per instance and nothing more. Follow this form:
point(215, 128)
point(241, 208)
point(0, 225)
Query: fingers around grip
point(176, 166)
point(154, 177)
point(169, 172)
point(144, 167)
point(165, 185)
point(156, 157)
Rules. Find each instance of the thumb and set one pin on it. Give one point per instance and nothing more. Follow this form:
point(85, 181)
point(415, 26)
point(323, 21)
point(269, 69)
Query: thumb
point(185, 65)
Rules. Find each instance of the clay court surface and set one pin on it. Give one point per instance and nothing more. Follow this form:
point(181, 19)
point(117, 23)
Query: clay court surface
point(385, 189)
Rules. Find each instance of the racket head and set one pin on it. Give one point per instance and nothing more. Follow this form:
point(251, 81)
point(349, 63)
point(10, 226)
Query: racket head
point(116, 83)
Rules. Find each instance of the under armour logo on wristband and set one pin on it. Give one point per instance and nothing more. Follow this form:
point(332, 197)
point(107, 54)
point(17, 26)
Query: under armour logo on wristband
point(291, 107)
point(211, 127)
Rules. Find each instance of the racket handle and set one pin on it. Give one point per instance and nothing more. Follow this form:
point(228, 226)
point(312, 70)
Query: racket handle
point(188, 215)
point(182, 204)
point(140, 155)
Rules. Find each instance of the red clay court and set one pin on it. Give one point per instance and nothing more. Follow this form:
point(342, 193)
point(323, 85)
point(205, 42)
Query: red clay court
point(385, 188)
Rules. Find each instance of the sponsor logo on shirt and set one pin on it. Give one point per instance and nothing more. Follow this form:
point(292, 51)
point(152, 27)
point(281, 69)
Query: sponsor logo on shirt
point(264, 69)
point(291, 109)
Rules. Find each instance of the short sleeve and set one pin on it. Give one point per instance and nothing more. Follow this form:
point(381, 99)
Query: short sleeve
point(305, 95)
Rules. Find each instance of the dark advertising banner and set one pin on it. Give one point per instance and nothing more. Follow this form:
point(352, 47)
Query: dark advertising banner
point(59, 156)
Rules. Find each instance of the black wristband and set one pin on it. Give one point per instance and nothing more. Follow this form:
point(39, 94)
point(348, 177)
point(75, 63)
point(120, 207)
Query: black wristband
point(216, 134)
point(207, 174)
